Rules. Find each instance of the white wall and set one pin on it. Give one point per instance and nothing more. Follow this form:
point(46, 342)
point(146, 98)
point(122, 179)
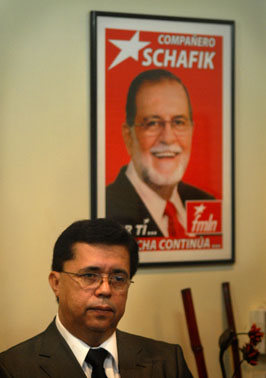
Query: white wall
point(44, 160)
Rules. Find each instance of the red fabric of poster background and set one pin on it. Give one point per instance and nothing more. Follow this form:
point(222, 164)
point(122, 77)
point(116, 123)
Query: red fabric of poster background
point(205, 89)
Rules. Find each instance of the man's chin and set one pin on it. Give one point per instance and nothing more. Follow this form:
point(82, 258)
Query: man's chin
point(158, 178)
point(159, 173)
point(100, 326)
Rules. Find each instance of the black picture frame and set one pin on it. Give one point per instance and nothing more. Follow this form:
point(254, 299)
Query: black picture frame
point(197, 39)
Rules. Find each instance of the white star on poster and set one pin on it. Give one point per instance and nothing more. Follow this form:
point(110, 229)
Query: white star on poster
point(199, 209)
point(128, 49)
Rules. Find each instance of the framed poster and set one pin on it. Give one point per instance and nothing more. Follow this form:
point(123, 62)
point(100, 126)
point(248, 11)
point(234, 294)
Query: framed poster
point(162, 141)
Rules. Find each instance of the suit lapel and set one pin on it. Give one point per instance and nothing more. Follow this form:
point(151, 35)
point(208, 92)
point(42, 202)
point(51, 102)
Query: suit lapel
point(133, 361)
point(56, 358)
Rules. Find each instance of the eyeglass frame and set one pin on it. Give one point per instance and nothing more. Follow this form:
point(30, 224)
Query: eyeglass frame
point(127, 283)
point(162, 122)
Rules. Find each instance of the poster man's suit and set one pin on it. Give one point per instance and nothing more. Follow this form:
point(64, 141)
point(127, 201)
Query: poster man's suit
point(48, 355)
point(125, 205)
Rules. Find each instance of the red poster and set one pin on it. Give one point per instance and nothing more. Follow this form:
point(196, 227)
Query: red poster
point(162, 134)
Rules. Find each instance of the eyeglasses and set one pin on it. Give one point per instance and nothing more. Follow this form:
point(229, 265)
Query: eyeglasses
point(154, 126)
point(91, 280)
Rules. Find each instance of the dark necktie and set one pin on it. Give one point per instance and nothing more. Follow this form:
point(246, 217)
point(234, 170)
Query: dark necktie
point(96, 358)
point(175, 229)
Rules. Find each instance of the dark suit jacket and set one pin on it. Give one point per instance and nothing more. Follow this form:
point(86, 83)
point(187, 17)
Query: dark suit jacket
point(48, 355)
point(125, 205)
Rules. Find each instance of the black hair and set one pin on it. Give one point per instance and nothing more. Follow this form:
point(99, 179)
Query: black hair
point(97, 231)
point(150, 76)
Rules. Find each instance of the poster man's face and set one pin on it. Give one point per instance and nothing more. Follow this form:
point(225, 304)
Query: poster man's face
point(161, 157)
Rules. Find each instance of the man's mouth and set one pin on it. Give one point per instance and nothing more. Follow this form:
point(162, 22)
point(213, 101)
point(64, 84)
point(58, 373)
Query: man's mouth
point(165, 151)
point(165, 154)
point(103, 309)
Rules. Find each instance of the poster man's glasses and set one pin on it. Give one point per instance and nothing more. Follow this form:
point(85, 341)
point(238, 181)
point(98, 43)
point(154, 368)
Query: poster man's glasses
point(154, 126)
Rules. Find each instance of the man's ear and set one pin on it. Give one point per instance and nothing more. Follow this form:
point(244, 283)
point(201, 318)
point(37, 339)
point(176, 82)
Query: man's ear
point(127, 136)
point(54, 281)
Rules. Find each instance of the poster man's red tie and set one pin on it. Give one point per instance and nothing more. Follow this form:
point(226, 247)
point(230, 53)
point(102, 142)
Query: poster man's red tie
point(175, 229)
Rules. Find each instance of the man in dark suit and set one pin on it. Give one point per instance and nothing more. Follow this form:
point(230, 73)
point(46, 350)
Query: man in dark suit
point(93, 264)
point(158, 136)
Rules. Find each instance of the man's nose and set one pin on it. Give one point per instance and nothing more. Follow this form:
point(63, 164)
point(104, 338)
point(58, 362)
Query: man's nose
point(167, 134)
point(104, 287)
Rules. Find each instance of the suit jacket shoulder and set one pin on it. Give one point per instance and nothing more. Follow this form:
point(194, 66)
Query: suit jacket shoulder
point(124, 205)
point(147, 358)
point(45, 355)
point(189, 192)
point(120, 193)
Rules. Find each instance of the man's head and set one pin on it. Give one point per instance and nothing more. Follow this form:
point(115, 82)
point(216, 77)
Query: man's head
point(159, 127)
point(93, 263)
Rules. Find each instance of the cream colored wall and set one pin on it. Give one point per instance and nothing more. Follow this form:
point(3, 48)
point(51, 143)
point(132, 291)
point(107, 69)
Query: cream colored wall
point(44, 159)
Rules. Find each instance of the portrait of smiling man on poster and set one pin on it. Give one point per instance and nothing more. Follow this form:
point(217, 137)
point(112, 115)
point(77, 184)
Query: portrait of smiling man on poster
point(158, 134)
point(162, 134)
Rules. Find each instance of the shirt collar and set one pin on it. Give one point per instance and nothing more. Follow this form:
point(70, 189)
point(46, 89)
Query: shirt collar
point(80, 349)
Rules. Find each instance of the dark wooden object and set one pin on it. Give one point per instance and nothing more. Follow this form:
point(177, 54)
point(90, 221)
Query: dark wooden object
point(194, 333)
point(231, 325)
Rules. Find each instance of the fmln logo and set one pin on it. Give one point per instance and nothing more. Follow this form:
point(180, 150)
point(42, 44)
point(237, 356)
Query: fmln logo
point(204, 217)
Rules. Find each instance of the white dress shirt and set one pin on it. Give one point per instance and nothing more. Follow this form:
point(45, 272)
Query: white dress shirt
point(80, 350)
point(154, 203)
